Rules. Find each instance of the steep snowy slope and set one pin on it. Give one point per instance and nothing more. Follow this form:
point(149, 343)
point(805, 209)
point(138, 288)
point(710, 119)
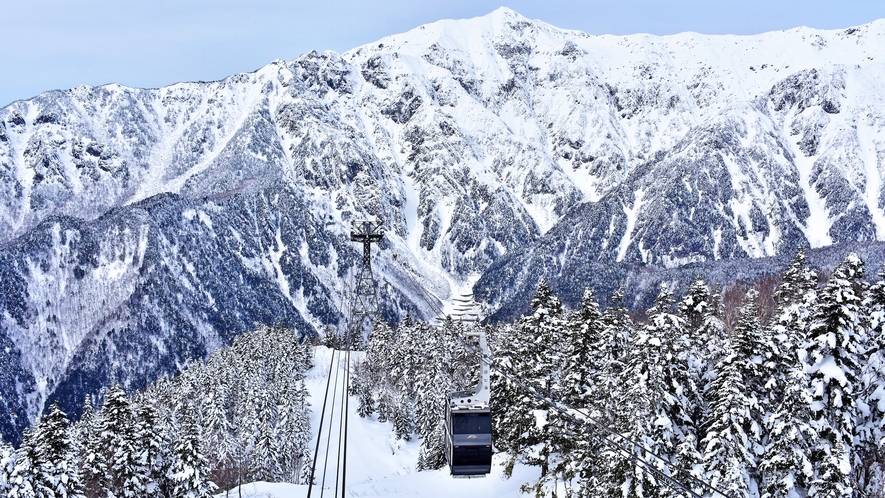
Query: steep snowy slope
point(139, 228)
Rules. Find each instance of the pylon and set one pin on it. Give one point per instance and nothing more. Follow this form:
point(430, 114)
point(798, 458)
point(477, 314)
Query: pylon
point(365, 294)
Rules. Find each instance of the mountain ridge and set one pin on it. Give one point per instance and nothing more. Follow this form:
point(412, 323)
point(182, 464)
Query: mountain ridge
point(491, 141)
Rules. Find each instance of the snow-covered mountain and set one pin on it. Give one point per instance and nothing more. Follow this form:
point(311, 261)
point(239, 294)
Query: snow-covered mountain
point(142, 228)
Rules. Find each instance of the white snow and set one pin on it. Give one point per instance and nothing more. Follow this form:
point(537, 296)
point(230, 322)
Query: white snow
point(378, 465)
point(631, 213)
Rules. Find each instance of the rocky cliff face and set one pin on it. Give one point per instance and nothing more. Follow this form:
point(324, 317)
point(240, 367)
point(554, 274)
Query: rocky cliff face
point(142, 228)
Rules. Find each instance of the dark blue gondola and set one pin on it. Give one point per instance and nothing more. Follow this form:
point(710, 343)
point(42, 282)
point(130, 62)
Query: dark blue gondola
point(469, 426)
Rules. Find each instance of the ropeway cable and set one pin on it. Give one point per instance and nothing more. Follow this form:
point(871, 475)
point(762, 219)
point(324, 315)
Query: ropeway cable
point(329, 437)
point(346, 416)
point(316, 450)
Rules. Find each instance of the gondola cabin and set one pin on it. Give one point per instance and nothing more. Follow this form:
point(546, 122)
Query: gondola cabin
point(469, 444)
point(469, 426)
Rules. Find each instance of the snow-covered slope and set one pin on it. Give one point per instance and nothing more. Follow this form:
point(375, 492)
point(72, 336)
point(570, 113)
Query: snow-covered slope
point(378, 464)
point(128, 216)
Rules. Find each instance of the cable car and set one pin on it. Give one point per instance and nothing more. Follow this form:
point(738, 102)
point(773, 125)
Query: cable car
point(469, 425)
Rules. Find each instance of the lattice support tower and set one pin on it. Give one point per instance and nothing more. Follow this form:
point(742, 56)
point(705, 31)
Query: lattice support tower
point(365, 294)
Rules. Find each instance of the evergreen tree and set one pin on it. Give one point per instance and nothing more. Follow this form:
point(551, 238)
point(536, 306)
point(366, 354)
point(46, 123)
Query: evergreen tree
point(56, 472)
point(871, 426)
point(786, 466)
point(617, 333)
point(152, 450)
point(749, 347)
point(94, 459)
point(7, 465)
point(836, 338)
point(189, 470)
point(403, 418)
point(582, 352)
point(651, 397)
point(787, 333)
point(700, 345)
point(727, 455)
point(264, 465)
point(535, 358)
point(24, 478)
point(366, 406)
point(117, 439)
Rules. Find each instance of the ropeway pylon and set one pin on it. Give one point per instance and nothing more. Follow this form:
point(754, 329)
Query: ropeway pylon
point(365, 293)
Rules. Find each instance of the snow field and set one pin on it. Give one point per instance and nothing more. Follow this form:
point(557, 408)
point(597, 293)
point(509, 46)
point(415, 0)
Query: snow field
point(379, 465)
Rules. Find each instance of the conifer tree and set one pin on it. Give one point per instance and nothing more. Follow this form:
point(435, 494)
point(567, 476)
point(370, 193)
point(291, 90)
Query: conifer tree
point(871, 426)
point(55, 470)
point(700, 345)
point(836, 338)
point(264, 465)
point(403, 417)
point(7, 465)
point(786, 466)
point(23, 480)
point(582, 352)
point(617, 332)
point(94, 457)
point(749, 347)
point(366, 403)
point(787, 332)
point(728, 459)
point(152, 448)
point(117, 439)
point(535, 357)
point(189, 472)
point(651, 400)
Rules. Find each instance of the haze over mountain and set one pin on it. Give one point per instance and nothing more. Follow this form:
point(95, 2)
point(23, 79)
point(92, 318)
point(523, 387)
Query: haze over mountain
point(140, 229)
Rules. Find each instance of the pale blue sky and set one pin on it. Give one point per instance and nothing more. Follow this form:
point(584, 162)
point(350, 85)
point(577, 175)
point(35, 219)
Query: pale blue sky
point(50, 44)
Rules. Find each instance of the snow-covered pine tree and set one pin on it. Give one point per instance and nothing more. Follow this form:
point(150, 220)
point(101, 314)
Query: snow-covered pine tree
point(23, 480)
point(786, 466)
point(582, 353)
point(542, 340)
point(118, 439)
point(704, 333)
point(366, 403)
point(617, 331)
point(93, 457)
point(403, 417)
point(749, 344)
point(728, 458)
point(836, 339)
point(536, 358)
point(871, 426)
point(216, 425)
point(264, 464)
point(434, 385)
point(56, 473)
point(787, 332)
point(189, 469)
point(152, 446)
point(7, 465)
point(652, 401)
point(509, 421)
point(433, 453)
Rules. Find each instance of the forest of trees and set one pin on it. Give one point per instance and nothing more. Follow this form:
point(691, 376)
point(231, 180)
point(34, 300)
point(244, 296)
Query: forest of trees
point(780, 393)
point(240, 416)
point(779, 402)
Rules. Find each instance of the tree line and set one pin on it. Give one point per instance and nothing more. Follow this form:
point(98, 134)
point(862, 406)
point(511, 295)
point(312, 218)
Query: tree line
point(777, 403)
point(240, 416)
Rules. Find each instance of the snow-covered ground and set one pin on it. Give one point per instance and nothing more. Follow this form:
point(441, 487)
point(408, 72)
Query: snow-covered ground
point(377, 463)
